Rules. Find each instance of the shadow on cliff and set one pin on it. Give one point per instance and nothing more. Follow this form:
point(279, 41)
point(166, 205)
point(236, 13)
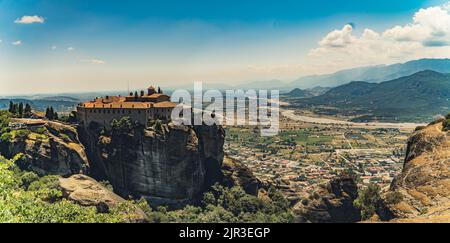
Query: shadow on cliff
point(165, 164)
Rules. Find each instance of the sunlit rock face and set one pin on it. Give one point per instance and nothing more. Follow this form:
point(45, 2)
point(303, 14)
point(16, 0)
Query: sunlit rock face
point(425, 180)
point(55, 151)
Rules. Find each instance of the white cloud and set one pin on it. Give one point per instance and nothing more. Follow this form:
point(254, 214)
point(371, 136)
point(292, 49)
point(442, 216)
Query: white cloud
point(94, 61)
point(430, 26)
point(30, 20)
point(53, 48)
point(369, 34)
point(17, 43)
point(71, 49)
point(338, 38)
point(428, 35)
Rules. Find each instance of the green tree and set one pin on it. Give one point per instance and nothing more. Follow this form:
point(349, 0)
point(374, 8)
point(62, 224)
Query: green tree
point(369, 201)
point(20, 109)
point(393, 198)
point(27, 111)
point(50, 113)
point(122, 126)
point(11, 107)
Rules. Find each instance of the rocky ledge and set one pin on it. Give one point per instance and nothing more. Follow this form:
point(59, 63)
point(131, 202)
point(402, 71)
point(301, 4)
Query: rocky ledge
point(52, 148)
point(330, 203)
point(88, 192)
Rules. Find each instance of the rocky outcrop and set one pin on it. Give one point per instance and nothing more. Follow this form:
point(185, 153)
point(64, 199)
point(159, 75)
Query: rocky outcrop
point(167, 165)
point(88, 192)
point(170, 165)
point(53, 149)
point(425, 180)
point(330, 203)
point(237, 174)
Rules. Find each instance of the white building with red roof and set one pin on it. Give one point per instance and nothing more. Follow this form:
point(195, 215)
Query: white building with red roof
point(140, 107)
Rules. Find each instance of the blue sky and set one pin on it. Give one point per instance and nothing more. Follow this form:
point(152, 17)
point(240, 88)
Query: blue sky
point(84, 45)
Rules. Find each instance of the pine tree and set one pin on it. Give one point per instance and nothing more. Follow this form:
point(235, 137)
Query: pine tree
point(20, 111)
point(11, 107)
point(51, 113)
point(55, 116)
point(159, 90)
point(47, 113)
point(27, 111)
point(14, 109)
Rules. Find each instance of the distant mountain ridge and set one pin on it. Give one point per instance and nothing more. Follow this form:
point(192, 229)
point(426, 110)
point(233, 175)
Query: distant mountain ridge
point(370, 74)
point(299, 93)
point(373, 74)
point(416, 97)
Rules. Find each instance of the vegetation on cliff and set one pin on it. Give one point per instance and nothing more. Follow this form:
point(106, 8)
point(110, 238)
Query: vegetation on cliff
point(369, 201)
point(226, 205)
point(26, 197)
point(19, 110)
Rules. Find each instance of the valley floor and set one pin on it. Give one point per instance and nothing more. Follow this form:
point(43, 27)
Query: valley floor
point(310, 150)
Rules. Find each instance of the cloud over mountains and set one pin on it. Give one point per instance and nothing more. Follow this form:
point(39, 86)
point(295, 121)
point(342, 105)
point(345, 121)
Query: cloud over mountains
point(428, 34)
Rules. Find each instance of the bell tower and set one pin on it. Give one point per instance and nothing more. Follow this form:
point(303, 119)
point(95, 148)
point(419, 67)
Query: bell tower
point(151, 90)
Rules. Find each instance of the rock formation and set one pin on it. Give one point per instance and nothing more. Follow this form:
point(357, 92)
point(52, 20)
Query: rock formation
point(425, 180)
point(88, 192)
point(55, 150)
point(237, 174)
point(169, 165)
point(330, 203)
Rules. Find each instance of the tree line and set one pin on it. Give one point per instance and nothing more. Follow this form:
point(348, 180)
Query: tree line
point(20, 110)
point(51, 114)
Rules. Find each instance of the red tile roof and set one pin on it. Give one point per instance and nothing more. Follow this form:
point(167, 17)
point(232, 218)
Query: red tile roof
point(165, 104)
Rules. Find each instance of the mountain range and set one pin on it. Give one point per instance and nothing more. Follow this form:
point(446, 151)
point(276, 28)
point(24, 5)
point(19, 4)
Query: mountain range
point(419, 96)
point(373, 74)
point(370, 74)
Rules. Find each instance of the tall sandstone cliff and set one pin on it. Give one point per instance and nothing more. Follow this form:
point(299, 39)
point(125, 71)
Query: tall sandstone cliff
point(171, 165)
point(425, 180)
